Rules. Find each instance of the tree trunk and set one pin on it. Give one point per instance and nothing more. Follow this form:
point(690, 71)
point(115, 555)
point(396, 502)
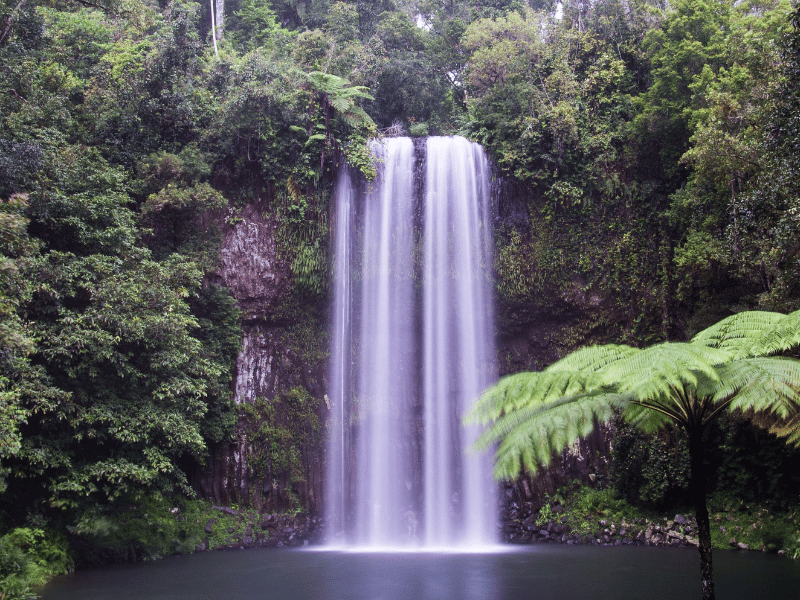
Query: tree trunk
point(698, 492)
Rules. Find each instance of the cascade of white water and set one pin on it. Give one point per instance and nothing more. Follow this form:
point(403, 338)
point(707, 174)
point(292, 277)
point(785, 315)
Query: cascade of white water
point(412, 349)
point(384, 385)
point(458, 346)
point(336, 480)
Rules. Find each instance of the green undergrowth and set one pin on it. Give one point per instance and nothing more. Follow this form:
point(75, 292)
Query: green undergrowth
point(29, 556)
point(759, 526)
point(733, 521)
point(585, 506)
point(140, 529)
point(152, 527)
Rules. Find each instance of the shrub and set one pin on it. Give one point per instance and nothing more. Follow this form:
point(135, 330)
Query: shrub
point(650, 469)
point(29, 557)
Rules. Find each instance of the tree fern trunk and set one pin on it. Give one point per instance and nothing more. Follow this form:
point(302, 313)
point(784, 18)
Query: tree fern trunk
point(698, 492)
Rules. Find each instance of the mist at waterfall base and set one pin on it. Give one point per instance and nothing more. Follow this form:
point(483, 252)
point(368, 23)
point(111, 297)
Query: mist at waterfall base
point(412, 349)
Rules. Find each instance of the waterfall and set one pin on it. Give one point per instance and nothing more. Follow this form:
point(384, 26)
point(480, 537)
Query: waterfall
point(412, 348)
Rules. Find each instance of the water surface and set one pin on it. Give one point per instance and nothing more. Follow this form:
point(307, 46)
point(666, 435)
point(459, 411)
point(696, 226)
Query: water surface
point(545, 572)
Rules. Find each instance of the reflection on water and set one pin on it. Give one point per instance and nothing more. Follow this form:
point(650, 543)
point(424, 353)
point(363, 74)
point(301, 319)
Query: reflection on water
point(401, 576)
point(542, 572)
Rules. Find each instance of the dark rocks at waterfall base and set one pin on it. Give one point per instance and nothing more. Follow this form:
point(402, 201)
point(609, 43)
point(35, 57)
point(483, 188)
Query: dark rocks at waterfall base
point(269, 530)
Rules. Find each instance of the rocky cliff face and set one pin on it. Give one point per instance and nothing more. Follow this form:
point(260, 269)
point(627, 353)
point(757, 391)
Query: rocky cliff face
point(275, 461)
point(251, 266)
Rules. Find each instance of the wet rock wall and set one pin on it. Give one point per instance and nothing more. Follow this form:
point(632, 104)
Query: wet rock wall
point(274, 462)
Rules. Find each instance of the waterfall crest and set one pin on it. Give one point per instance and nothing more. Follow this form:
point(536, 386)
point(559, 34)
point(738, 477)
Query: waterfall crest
point(412, 348)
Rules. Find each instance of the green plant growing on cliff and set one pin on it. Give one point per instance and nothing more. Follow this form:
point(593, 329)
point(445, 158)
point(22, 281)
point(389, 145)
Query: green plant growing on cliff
point(731, 366)
point(282, 431)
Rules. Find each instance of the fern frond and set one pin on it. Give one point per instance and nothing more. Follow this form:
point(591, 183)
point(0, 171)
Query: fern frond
point(644, 418)
point(530, 437)
point(739, 332)
point(761, 384)
point(788, 428)
point(782, 335)
point(525, 390)
point(325, 82)
point(356, 91)
point(340, 103)
point(655, 371)
point(592, 358)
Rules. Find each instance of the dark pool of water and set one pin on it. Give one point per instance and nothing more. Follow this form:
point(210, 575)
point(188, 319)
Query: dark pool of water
point(536, 572)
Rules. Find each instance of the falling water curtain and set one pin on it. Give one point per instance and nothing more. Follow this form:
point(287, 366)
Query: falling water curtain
point(217, 21)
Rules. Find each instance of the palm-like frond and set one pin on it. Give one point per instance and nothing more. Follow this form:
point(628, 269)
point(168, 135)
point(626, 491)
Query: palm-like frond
point(782, 335)
point(653, 373)
point(740, 332)
point(761, 384)
point(526, 390)
point(337, 86)
point(592, 358)
point(788, 428)
point(530, 436)
point(644, 417)
point(343, 97)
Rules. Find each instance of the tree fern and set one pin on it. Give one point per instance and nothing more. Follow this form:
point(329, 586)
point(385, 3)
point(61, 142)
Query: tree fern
point(343, 97)
point(729, 366)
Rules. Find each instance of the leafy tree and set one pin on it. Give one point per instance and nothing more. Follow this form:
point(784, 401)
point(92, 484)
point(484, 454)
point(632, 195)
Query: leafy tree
point(553, 107)
point(727, 211)
point(650, 469)
point(253, 24)
point(731, 366)
point(411, 86)
point(116, 362)
point(762, 229)
point(15, 338)
point(124, 380)
point(691, 41)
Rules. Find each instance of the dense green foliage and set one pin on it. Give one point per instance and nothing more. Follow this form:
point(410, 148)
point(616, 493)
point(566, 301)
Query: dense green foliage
point(659, 175)
point(649, 470)
point(151, 526)
point(743, 462)
point(123, 144)
point(28, 557)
